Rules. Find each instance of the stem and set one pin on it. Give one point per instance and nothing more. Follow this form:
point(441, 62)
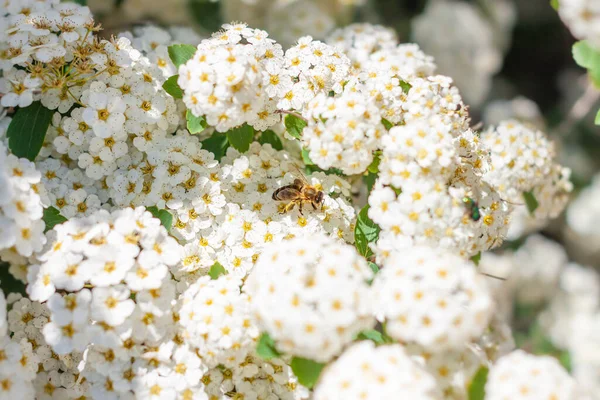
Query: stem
point(295, 114)
point(579, 110)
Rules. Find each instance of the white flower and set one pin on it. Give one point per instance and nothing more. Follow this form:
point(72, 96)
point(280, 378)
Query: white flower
point(379, 373)
point(311, 295)
point(431, 297)
point(104, 113)
point(530, 377)
point(111, 305)
point(17, 87)
point(582, 18)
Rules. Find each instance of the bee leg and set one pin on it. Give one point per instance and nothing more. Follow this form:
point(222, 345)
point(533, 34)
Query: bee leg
point(300, 208)
point(290, 206)
point(312, 203)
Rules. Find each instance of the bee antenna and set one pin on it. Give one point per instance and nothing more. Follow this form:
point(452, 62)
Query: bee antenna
point(493, 276)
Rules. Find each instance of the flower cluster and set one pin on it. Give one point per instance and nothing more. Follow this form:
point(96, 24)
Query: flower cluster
point(311, 295)
point(431, 298)
point(368, 372)
point(583, 19)
point(232, 79)
point(21, 205)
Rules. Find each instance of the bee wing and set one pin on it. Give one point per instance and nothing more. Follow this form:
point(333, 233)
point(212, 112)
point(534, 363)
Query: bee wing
point(286, 193)
point(301, 175)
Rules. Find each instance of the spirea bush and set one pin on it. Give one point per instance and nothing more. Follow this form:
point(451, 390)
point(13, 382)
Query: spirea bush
point(223, 217)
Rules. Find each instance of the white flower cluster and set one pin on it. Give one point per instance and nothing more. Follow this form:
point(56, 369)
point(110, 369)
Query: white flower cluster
point(583, 220)
point(22, 198)
point(434, 299)
point(232, 79)
point(519, 375)
point(311, 295)
point(376, 373)
point(583, 19)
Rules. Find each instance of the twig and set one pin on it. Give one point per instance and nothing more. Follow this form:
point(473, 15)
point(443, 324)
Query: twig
point(579, 110)
point(295, 114)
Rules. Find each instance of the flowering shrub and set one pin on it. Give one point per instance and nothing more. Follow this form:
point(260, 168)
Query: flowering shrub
point(226, 218)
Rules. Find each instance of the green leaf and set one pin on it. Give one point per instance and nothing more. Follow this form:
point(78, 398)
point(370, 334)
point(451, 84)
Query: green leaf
point(217, 144)
point(216, 270)
point(52, 218)
point(554, 4)
point(375, 336)
point(265, 347)
point(241, 137)
point(586, 55)
point(306, 158)
point(166, 218)
point(388, 125)
point(172, 87)
point(476, 258)
point(597, 121)
point(365, 232)
point(477, 385)
point(207, 13)
point(194, 124)
point(81, 2)
point(374, 166)
point(531, 202)
point(307, 371)
point(369, 180)
point(294, 125)
point(27, 130)
point(270, 137)
point(181, 53)
point(405, 86)
point(373, 267)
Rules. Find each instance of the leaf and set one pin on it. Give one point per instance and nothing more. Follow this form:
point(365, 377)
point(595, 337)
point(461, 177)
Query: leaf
point(240, 138)
point(216, 270)
point(81, 2)
point(374, 166)
point(207, 13)
point(388, 125)
point(586, 56)
point(27, 130)
point(270, 137)
point(165, 217)
point(554, 4)
point(477, 385)
point(373, 267)
point(194, 124)
point(369, 180)
point(265, 347)
point(52, 218)
point(172, 87)
point(531, 202)
point(307, 371)
point(181, 53)
point(476, 258)
point(373, 335)
point(306, 158)
point(597, 121)
point(217, 144)
point(405, 86)
point(294, 125)
point(365, 232)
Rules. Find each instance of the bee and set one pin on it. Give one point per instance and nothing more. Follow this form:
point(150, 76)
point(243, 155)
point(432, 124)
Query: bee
point(299, 192)
point(472, 208)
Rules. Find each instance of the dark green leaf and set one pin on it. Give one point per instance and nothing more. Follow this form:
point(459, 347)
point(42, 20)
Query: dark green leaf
point(388, 125)
point(365, 232)
point(172, 87)
point(265, 347)
point(52, 218)
point(240, 138)
point(597, 121)
point(194, 124)
point(9, 283)
point(27, 130)
point(294, 125)
point(270, 137)
point(216, 270)
point(307, 371)
point(369, 180)
point(81, 2)
point(216, 144)
point(374, 166)
point(405, 86)
point(207, 13)
point(531, 202)
point(477, 385)
point(181, 53)
point(165, 217)
point(476, 258)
